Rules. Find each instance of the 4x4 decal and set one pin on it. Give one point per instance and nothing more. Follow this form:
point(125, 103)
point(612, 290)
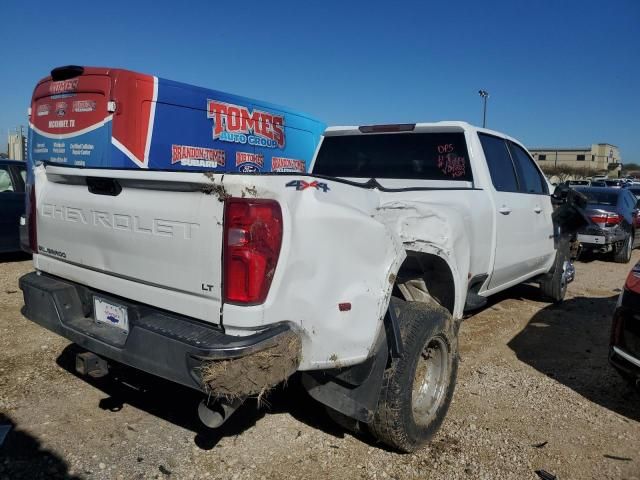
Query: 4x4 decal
point(302, 185)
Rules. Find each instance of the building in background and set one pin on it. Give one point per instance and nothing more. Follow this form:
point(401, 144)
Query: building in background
point(17, 144)
point(599, 158)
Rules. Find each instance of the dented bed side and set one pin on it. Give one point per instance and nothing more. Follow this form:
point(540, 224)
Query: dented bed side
point(346, 245)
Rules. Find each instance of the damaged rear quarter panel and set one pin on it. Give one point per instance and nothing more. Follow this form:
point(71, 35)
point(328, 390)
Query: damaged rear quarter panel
point(333, 251)
point(435, 227)
point(344, 245)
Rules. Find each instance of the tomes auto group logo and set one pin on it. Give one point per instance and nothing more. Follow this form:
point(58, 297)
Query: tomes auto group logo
point(235, 123)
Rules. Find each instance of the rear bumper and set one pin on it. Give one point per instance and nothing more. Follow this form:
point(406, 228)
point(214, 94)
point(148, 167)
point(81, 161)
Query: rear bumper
point(161, 343)
point(605, 238)
point(628, 365)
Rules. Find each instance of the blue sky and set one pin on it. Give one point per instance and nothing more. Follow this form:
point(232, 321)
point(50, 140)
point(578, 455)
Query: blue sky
point(560, 73)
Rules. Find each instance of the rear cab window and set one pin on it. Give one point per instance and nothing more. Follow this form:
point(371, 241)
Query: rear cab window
point(416, 156)
point(600, 197)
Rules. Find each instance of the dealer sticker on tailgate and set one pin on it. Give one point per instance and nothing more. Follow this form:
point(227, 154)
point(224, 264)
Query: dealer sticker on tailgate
point(111, 314)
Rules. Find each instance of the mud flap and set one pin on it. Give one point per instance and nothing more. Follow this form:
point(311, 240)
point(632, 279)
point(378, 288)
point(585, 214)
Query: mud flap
point(352, 391)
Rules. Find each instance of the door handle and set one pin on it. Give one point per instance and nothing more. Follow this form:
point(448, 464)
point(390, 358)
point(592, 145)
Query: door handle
point(537, 209)
point(504, 210)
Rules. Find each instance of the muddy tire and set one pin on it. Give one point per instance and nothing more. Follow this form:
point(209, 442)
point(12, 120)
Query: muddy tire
point(553, 285)
point(622, 253)
point(418, 387)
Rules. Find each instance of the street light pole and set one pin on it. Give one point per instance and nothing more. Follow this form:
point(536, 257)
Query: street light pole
point(484, 94)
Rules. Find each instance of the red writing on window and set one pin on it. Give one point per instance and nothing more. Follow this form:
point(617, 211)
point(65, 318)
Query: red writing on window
point(452, 165)
point(445, 148)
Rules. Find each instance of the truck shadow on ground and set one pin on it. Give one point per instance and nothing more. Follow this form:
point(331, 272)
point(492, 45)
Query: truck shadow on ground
point(23, 457)
point(569, 342)
point(178, 404)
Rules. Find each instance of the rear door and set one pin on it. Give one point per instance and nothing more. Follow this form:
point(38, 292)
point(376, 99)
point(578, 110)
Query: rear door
point(534, 189)
point(513, 258)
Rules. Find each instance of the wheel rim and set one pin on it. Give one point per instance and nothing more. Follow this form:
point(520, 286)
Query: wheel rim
point(566, 277)
point(430, 381)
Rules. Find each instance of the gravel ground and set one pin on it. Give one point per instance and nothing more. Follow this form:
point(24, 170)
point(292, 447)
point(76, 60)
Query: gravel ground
point(534, 392)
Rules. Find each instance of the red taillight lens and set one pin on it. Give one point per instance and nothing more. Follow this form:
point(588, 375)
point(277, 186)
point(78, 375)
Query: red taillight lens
point(608, 219)
point(613, 219)
point(252, 238)
point(31, 219)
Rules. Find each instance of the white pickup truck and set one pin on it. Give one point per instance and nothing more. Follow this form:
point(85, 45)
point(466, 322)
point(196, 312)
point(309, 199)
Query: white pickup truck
point(356, 274)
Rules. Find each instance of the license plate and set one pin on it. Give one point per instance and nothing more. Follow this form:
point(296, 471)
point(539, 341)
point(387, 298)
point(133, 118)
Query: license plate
point(596, 239)
point(109, 313)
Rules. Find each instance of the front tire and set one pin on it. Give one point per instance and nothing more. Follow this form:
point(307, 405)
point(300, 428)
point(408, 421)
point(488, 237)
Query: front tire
point(418, 387)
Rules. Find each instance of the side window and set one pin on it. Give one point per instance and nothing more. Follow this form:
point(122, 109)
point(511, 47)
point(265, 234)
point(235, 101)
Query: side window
point(622, 201)
point(19, 177)
point(532, 181)
point(631, 204)
point(503, 176)
point(6, 185)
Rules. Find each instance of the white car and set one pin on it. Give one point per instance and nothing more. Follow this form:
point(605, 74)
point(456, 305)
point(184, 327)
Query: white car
point(356, 274)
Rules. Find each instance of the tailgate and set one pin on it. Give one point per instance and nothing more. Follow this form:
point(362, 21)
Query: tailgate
point(152, 237)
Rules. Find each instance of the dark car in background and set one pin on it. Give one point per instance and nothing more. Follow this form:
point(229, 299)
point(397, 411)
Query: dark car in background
point(613, 215)
point(624, 350)
point(616, 183)
point(577, 183)
point(12, 180)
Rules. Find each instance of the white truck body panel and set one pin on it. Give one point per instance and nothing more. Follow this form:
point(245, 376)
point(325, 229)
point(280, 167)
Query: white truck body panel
point(160, 241)
point(152, 237)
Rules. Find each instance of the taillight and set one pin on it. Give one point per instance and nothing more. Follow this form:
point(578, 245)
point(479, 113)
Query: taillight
point(31, 219)
point(252, 239)
point(608, 219)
